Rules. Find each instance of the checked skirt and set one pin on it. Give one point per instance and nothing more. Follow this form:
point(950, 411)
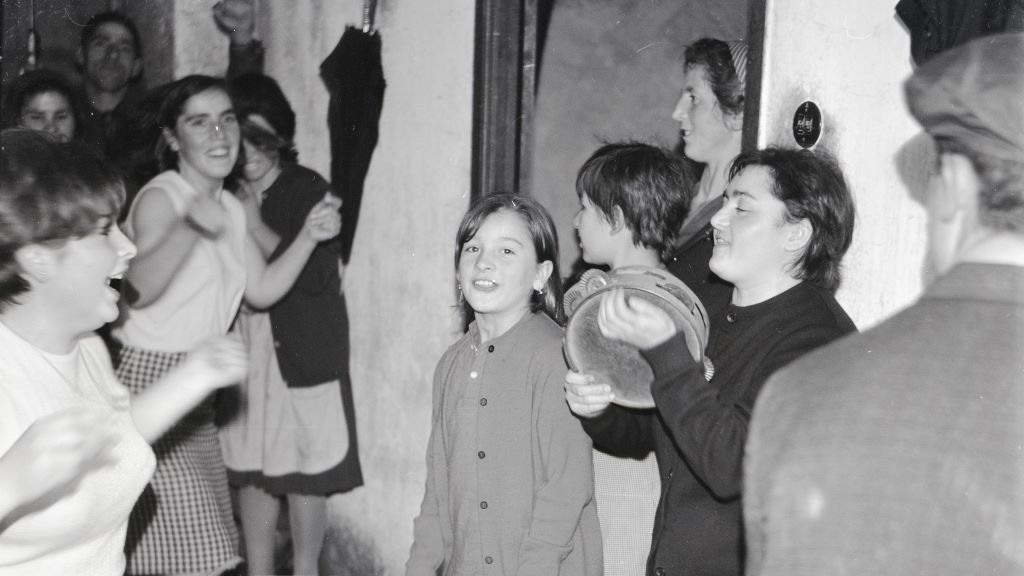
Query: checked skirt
point(183, 520)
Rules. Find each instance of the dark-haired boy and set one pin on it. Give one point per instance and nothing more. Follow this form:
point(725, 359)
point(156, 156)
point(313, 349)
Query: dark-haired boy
point(633, 201)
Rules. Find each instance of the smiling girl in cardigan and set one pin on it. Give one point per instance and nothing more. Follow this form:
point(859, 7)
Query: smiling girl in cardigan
point(509, 477)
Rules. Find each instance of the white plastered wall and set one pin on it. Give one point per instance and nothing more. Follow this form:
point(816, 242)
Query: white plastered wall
point(851, 59)
point(399, 283)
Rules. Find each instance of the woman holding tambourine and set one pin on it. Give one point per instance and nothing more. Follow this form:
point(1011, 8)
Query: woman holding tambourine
point(786, 221)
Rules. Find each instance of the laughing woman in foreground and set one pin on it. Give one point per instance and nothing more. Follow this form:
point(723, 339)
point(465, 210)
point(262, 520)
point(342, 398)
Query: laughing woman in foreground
point(73, 445)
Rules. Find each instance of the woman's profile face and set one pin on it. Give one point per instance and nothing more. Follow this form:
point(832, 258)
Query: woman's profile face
point(754, 242)
point(206, 136)
point(86, 265)
point(702, 123)
point(49, 112)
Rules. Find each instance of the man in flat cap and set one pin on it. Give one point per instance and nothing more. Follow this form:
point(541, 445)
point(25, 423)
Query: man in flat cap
point(900, 451)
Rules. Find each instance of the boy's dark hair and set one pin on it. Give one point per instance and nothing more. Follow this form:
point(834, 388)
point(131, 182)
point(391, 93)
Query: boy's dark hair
point(89, 31)
point(652, 186)
point(812, 187)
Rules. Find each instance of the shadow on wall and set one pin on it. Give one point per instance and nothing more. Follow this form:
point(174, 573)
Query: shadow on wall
point(915, 162)
point(350, 553)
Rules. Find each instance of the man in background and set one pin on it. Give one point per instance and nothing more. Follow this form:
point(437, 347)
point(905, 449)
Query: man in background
point(110, 54)
point(898, 451)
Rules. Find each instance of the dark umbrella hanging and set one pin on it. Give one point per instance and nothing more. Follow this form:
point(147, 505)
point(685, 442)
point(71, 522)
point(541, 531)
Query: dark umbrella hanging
point(355, 79)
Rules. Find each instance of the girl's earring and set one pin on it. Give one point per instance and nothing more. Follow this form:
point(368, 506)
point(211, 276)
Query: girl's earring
point(461, 298)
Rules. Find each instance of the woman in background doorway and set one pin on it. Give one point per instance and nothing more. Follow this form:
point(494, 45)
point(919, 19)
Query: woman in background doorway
point(710, 116)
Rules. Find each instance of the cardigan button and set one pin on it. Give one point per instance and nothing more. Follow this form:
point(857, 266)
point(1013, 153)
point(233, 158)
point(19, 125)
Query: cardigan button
point(483, 401)
point(730, 318)
point(490, 348)
point(659, 571)
point(483, 505)
point(488, 560)
point(481, 454)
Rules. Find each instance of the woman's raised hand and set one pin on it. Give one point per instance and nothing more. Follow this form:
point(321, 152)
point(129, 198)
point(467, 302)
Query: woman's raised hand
point(220, 361)
point(207, 216)
point(236, 18)
point(324, 220)
point(634, 321)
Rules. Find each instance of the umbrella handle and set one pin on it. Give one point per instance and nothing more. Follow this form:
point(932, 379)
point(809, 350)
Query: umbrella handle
point(369, 12)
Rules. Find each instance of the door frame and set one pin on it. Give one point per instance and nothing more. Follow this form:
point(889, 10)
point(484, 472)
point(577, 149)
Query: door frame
point(504, 88)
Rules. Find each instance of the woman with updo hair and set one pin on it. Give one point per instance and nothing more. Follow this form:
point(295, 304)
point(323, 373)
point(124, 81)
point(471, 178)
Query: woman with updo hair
point(74, 453)
point(710, 117)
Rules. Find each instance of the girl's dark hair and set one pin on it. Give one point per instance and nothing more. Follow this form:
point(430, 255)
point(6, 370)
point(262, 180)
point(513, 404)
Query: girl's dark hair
point(812, 187)
point(542, 232)
point(31, 84)
point(716, 58)
point(652, 186)
point(49, 193)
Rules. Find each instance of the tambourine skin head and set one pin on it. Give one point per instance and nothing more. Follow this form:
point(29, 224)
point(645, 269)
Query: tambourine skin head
point(620, 364)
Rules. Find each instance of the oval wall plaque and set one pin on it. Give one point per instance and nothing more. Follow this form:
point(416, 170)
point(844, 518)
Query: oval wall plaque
point(807, 124)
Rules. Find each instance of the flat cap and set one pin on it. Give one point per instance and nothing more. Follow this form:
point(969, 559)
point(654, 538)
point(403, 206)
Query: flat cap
point(972, 97)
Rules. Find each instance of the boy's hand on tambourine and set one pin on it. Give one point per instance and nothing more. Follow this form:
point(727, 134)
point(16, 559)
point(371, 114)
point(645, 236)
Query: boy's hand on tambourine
point(585, 395)
point(634, 321)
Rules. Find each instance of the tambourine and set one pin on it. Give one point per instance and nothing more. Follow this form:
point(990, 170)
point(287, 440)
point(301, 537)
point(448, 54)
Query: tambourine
point(618, 363)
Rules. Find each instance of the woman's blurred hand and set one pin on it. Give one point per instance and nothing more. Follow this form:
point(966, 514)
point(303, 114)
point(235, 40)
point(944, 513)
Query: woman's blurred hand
point(218, 362)
point(54, 453)
point(237, 19)
point(324, 220)
point(207, 216)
